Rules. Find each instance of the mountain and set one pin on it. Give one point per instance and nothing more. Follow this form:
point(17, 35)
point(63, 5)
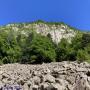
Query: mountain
point(56, 30)
point(40, 41)
point(46, 56)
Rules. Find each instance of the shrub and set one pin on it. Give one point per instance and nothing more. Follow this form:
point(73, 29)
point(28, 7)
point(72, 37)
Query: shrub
point(82, 55)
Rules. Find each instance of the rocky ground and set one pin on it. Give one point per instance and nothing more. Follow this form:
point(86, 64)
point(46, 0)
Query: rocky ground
point(52, 76)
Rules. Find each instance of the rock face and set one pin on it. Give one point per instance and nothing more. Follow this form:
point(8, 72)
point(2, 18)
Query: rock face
point(52, 76)
point(57, 32)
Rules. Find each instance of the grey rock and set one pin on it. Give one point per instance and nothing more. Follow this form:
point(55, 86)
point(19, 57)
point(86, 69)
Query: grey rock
point(49, 78)
point(26, 87)
point(79, 85)
point(35, 87)
point(71, 79)
point(58, 87)
point(60, 81)
point(21, 81)
point(44, 86)
point(36, 80)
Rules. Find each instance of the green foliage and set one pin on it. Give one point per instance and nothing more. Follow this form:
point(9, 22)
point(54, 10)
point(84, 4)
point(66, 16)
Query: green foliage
point(9, 48)
point(40, 50)
point(82, 55)
point(39, 21)
point(87, 48)
point(81, 45)
point(26, 46)
point(78, 49)
point(62, 50)
point(85, 40)
point(76, 42)
point(1, 62)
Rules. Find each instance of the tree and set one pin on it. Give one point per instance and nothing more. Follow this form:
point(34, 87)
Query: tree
point(41, 49)
point(9, 48)
point(82, 55)
point(85, 40)
point(76, 42)
point(62, 50)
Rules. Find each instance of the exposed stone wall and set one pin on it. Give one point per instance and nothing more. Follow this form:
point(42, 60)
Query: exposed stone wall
point(52, 76)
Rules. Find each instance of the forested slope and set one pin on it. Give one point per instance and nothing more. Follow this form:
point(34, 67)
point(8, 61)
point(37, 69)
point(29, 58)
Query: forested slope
point(40, 41)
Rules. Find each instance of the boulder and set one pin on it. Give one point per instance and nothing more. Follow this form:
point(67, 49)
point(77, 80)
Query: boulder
point(36, 80)
point(49, 78)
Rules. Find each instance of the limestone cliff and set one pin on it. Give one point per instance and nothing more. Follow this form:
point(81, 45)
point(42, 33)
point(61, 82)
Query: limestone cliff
point(57, 31)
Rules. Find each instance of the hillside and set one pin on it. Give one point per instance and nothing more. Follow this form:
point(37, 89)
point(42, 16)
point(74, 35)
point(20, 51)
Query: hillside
point(40, 41)
point(44, 56)
point(55, 29)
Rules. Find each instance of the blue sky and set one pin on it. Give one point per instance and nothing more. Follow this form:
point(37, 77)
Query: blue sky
point(73, 12)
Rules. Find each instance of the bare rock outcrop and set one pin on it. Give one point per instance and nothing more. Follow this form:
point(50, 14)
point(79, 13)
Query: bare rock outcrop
point(57, 32)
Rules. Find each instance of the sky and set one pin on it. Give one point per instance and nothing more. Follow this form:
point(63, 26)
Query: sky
point(72, 12)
